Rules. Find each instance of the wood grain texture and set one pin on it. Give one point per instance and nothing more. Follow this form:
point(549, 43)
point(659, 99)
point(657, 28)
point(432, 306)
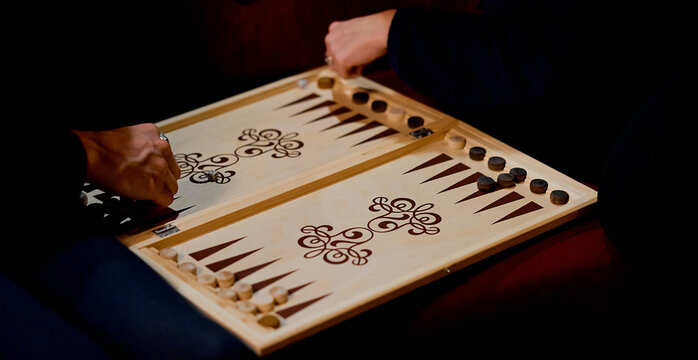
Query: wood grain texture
point(304, 153)
point(356, 219)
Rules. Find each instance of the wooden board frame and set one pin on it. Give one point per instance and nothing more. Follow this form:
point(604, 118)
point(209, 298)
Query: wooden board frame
point(229, 216)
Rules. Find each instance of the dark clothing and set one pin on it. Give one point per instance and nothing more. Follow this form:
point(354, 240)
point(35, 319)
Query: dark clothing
point(86, 66)
point(100, 65)
point(68, 292)
point(97, 66)
point(560, 81)
point(643, 196)
point(557, 80)
point(27, 322)
point(95, 299)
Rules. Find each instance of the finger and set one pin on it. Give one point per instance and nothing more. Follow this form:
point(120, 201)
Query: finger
point(330, 60)
point(337, 64)
point(338, 67)
point(330, 56)
point(163, 194)
point(169, 179)
point(170, 190)
point(355, 71)
point(163, 198)
point(167, 153)
point(343, 70)
point(161, 184)
point(341, 64)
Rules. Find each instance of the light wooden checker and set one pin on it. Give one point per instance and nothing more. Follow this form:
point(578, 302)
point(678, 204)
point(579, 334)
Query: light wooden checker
point(275, 143)
point(299, 244)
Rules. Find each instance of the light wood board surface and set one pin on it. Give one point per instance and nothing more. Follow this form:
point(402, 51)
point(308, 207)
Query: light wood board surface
point(369, 238)
point(295, 137)
point(336, 202)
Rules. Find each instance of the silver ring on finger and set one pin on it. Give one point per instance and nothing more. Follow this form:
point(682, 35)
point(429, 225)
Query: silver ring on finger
point(329, 60)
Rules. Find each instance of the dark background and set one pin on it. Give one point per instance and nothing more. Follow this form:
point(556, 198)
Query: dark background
point(105, 64)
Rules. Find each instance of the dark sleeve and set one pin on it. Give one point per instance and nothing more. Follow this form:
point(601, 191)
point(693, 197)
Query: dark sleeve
point(88, 66)
point(71, 172)
point(518, 52)
point(482, 60)
point(96, 66)
point(48, 159)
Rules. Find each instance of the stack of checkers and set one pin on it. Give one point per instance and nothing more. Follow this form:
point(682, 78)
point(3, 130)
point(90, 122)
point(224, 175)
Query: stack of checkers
point(240, 295)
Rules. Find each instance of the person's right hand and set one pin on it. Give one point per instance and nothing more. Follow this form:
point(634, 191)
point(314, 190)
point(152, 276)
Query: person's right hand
point(133, 162)
point(353, 44)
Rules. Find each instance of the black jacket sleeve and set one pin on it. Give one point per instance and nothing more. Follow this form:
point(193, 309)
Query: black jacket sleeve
point(95, 66)
point(83, 66)
point(484, 60)
point(519, 52)
point(550, 78)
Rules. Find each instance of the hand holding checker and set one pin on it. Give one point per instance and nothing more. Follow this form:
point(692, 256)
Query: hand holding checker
point(134, 161)
point(353, 44)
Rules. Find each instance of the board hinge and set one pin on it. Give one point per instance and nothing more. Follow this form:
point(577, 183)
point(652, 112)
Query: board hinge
point(422, 132)
point(166, 230)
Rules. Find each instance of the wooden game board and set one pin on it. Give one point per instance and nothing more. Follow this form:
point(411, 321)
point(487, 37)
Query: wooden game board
point(359, 217)
point(275, 143)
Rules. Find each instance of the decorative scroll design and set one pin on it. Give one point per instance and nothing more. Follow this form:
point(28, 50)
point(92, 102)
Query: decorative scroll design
point(338, 247)
point(199, 170)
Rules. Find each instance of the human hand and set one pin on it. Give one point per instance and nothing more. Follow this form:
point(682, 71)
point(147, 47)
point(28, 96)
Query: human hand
point(133, 162)
point(353, 44)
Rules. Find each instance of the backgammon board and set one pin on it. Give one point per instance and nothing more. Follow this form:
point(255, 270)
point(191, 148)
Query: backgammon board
point(312, 199)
